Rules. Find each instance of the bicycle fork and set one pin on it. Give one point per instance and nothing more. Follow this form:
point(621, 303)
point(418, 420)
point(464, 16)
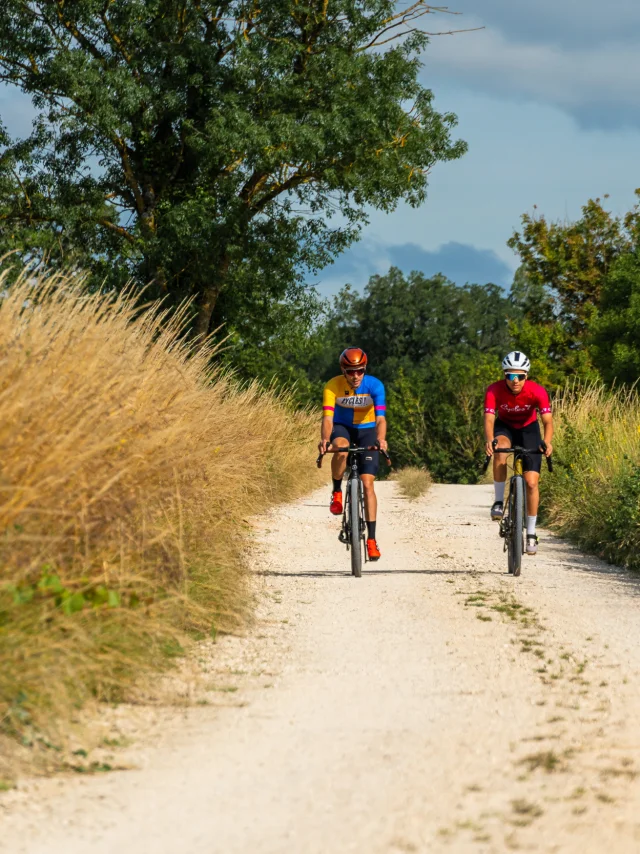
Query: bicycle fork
point(506, 521)
point(345, 533)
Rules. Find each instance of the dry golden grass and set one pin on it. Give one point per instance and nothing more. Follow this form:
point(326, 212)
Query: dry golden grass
point(593, 495)
point(413, 481)
point(128, 470)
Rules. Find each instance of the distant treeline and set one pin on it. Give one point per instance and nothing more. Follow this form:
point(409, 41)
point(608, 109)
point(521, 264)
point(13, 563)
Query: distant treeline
point(574, 308)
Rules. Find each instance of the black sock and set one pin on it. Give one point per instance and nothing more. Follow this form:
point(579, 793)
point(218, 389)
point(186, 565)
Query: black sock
point(371, 528)
point(337, 485)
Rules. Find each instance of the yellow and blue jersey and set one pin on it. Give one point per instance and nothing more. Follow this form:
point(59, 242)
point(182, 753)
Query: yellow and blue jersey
point(354, 407)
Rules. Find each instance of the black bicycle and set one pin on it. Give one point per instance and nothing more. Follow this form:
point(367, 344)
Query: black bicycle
point(513, 522)
point(354, 526)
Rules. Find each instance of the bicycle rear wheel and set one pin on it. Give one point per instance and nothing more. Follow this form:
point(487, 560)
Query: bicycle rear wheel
point(515, 539)
point(355, 536)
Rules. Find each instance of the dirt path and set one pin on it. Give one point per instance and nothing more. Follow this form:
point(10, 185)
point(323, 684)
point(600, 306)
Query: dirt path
point(435, 705)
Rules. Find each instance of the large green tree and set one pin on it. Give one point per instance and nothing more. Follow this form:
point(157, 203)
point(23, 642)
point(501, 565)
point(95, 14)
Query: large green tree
point(614, 340)
point(557, 291)
point(564, 264)
point(206, 145)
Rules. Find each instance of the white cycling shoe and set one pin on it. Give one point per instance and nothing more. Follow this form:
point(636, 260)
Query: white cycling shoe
point(532, 544)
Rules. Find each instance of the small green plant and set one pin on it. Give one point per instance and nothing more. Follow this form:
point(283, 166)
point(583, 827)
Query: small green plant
point(69, 600)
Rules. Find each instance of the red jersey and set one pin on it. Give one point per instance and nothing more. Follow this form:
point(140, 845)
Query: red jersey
point(517, 410)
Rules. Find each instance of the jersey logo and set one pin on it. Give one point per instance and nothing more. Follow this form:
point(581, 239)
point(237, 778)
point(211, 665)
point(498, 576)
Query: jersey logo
point(356, 401)
point(516, 407)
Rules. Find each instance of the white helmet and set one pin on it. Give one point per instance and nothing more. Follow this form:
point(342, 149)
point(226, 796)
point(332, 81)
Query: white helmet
point(516, 361)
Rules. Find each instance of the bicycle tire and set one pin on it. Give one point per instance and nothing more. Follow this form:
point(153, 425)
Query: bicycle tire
point(516, 512)
point(354, 527)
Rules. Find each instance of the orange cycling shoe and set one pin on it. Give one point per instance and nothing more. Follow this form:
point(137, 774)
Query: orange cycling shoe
point(372, 550)
point(336, 503)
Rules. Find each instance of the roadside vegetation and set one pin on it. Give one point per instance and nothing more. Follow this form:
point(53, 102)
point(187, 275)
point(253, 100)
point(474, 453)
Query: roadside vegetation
point(129, 471)
point(593, 496)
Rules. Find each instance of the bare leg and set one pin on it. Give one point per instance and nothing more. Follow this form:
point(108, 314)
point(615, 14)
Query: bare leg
point(532, 478)
point(500, 460)
point(370, 500)
point(339, 461)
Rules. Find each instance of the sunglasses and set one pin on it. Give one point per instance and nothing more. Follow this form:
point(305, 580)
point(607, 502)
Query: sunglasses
point(515, 377)
point(354, 372)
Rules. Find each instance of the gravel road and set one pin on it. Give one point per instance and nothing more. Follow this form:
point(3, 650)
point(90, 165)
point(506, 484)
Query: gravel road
point(435, 705)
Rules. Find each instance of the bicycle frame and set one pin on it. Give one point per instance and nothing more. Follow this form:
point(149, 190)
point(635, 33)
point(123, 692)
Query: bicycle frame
point(513, 522)
point(354, 474)
point(352, 532)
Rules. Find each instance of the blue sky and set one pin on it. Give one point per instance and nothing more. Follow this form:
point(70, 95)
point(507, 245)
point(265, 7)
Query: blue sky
point(547, 98)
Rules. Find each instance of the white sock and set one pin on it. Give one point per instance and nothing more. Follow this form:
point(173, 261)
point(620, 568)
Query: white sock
point(531, 526)
point(498, 487)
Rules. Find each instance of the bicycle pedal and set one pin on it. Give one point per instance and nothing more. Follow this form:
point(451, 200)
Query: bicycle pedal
point(342, 536)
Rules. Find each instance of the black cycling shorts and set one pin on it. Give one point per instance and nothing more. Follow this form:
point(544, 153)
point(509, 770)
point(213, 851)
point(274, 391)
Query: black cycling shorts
point(526, 437)
point(367, 463)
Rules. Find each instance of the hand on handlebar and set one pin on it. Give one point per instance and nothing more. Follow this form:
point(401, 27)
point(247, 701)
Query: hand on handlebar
point(323, 444)
point(547, 448)
point(490, 447)
point(382, 444)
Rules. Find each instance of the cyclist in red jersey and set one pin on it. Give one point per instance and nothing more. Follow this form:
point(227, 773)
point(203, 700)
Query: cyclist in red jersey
point(511, 410)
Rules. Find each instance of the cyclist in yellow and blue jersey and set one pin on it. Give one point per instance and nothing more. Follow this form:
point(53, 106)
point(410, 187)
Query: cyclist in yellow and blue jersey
point(354, 411)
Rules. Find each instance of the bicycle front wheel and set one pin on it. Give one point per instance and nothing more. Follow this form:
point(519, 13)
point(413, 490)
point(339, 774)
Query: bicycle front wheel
point(516, 513)
point(355, 537)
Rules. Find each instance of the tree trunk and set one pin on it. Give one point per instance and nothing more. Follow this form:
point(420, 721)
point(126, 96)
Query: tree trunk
point(207, 300)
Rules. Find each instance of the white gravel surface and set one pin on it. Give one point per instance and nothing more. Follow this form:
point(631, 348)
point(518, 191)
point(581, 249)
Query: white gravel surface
point(434, 705)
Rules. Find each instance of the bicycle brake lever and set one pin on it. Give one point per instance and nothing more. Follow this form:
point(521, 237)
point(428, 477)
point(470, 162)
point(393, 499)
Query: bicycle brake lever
point(319, 461)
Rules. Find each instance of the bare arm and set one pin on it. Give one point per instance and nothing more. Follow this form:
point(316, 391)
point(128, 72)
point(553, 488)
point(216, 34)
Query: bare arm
point(381, 431)
point(489, 424)
point(547, 423)
point(325, 433)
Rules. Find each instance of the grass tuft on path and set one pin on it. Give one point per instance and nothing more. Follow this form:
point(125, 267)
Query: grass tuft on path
point(413, 482)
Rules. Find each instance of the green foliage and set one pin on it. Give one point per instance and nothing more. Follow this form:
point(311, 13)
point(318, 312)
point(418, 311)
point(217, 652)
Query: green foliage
point(615, 334)
point(436, 414)
point(566, 263)
point(564, 281)
point(206, 146)
point(49, 589)
point(436, 346)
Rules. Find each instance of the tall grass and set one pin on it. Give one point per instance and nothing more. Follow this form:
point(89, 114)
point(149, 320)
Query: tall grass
point(593, 496)
point(128, 470)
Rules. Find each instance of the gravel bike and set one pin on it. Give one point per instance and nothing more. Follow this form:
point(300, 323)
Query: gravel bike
point(513, 522)
point(354, 526)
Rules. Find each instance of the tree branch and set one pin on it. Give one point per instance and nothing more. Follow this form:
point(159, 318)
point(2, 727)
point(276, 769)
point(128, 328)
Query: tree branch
point(82, 40)
point(294, 181)
point(118, 229)
point(115, 38)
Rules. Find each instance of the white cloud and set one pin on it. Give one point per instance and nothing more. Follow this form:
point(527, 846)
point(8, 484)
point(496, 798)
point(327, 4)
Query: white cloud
point(569, 23)
point(597, 85)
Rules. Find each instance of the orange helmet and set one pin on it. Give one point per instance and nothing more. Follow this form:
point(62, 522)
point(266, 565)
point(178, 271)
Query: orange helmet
point(353, 357)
